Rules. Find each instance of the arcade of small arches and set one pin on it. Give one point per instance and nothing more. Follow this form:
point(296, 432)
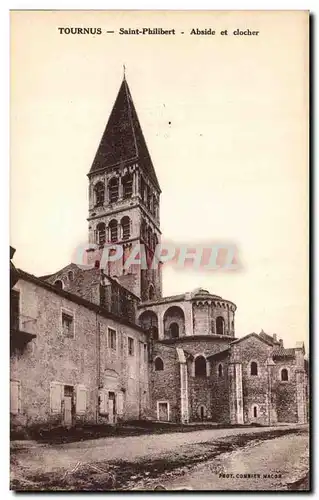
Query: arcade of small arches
point(173, 321)
point(122, 230)
point(124, 187)
point(115, 231)
point(200, 367)
point(116, 188)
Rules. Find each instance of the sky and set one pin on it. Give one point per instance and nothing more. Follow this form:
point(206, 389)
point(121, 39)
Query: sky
point(226, 122)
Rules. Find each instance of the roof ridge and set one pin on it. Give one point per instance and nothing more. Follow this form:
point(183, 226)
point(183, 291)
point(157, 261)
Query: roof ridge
point(127, 92)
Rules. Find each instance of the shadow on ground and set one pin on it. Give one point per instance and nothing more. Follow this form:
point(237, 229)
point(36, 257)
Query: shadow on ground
point(58, 435)
point(121, 475)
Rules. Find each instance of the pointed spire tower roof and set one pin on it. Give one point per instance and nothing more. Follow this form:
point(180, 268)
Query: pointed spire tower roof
point(123, 140)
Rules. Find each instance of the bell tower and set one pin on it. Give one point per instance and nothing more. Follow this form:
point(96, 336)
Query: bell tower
point(124, 197)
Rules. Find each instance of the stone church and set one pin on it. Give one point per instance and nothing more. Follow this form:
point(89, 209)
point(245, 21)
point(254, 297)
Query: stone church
point(94, 345)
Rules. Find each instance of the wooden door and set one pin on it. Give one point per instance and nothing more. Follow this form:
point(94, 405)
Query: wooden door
point(68, 406)
point(68, 411)
point(111, 408)
point(163, 412)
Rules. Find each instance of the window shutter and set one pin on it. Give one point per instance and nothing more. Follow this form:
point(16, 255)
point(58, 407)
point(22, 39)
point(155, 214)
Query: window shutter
point(120, 403)
point(15, 403)
point(56, 397)
point(81, 396)
point(101, 402)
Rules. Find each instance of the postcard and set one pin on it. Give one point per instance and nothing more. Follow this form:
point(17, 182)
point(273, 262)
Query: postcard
point(159, 274)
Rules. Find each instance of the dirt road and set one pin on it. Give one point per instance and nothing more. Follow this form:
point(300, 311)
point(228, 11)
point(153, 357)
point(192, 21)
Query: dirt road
point(141, 462)
point(261, 465)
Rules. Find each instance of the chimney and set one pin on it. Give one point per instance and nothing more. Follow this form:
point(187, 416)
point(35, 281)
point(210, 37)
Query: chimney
point(281, 342)
point(274, 336)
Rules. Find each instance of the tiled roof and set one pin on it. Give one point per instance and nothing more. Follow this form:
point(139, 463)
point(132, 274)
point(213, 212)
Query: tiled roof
point(123, 140)
point(281, 352)
point(269, 338)
point(253, 334)
point(220, 354)
point(77, 299)
point(84, 282)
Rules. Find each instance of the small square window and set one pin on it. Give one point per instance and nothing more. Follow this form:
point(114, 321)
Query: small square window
point(67, 324)
point(112, 339)
point(131, 346)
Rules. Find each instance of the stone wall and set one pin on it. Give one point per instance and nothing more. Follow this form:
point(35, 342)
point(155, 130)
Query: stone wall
point(255, 388)
point(166, 383)
point(220, 392)
point(85, 359)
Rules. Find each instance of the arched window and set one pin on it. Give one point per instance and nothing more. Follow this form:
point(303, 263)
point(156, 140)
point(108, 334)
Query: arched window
point(220, 370)
point(253, 368)
point(155, 207)
point(127, 183)
point(159, 365)
point(59, 284)
point(144, 230)
point(113, 231)
point(99, 192)
point(126, 227)
point(255, 411)
point(174, 330)
point(70, 275)
point(149, 237)
point(202, 412)
point(113, 189)
point(149, 322)
point(220, 325)
point(101, 233)
point(151, 292)
point(150, 201)
point(143, 189)
point(200, 366)
point(284, 375)
point(174, 322)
